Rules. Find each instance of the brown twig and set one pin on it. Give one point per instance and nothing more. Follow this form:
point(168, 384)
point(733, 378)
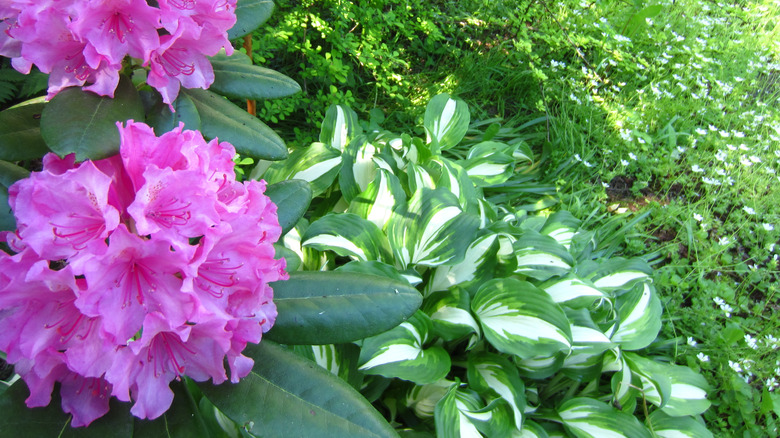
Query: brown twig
point(251, 105)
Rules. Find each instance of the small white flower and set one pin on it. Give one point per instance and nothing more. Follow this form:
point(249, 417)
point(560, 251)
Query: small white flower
point(577, 157)
point(696, 168)
point(724, 134)
point(587, 164)
point(692, 342)
point(605, 185)
point(771, 384)
point(702, 357)
point(748, 210)
point(772, 342)
point(723, 241)
point(698, 217)
point(735, 366)
point(632, 156)
point(751, 342)
point(768, 227)
point(701, 131)
point(624, 162)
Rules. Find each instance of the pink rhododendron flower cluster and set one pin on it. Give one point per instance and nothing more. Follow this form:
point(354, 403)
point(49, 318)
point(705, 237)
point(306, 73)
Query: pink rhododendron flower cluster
point(135, 270)
point(85, 41)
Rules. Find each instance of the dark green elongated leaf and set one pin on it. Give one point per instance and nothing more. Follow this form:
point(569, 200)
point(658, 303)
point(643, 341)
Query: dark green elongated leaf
point(337, 307)
point(250, 14)
point(17, 420)
point(292, 198)
point(20, 133)
point(163, 120)
point(85, 123)
point(286, 395)
point(10, 173)
point(221, 119)
point(181, 420)
point(7, 220)
point(237, 79)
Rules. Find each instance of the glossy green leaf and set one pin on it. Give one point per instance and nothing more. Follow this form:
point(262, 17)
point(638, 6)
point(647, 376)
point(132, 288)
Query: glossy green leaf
point(250, 14)
point(446, 122)
point(292, 198)
point(336, 307)
point(163, 120)
point(7, 219)
point(519, 318)
point(181, 420)
point(589, 418)
point(81, 122)
point(402, 353)
point(222, 119)
point(287, 395)
point(348, 235)
point(20, 133)
point(235, 77)
point(17, 420)
point(10, 173)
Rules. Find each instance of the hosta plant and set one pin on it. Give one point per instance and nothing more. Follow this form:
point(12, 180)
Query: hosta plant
point(528, 326)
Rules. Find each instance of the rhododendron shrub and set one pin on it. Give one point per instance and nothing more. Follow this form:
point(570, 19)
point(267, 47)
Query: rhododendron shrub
point(133, 271)
point(82, 42)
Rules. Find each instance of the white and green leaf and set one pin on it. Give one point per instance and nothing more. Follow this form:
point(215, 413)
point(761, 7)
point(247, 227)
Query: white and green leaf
point(339, 127)
point(666, 426)
point(495, 375)
point(588, 418)
point(479, 260)
point(446, 122)
point(639, 318)
point(490, 163)
point(541, 257)
point(574, 292)
point(377, 202)
point(348, 235)
point(450, 315)
point(318, 164)
point(561, 226)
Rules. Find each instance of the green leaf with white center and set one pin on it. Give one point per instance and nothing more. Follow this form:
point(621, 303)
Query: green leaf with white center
point(573, 292)
point(677, 390)
point(381, 197)
point(401, 353)
point(495, 375)
point(519, 318)
point(449, 312)
point(589, 418)
point(540, 367)
point(340, 359)
point(587, 352)
point(624, 384)
point(454, 178)
point(339, 127)
point(618, 273)
point(317, 164)
point(446, 122)
point(358, 168)
point(348, 235)
point(477, 264)
point(639, 313)
point(666, 426)
point(460, 413)
point(530, 430)
point(430, 230)
point(423, 398)
point(490, 163)
point(561, 226)
point(418, 178)
point(541, 257)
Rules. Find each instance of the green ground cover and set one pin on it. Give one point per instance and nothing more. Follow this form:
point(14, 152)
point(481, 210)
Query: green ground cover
point(665, 112)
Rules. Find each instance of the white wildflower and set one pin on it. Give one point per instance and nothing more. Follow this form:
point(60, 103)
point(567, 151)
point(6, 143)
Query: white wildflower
point(751, 342)
point(698, 217)
point(748, 210)
point(702, 357)
point(696, 168)
point(692, 342)
point(632, 156)
point(768, 227)
point(723, 241)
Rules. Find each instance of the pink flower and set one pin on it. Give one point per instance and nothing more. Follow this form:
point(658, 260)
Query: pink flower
point(135, 270)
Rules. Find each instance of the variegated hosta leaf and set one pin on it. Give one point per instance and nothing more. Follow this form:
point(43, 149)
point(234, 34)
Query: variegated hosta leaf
point(341, 360)
point(541, 257)
point(418, 178)
point(618, 273)
point(639, 313)
point(430, 230)
point(460, 414)
point(348, 235)
point(573, 292)
point(519, 318)
point(524, 157)
point(589, 418)
point(666, 426)
point(623, 383)
point(339, 127)
point(450, 315)
point(495, 375)
point(687, 389)
point(561, 226)
point(377, 202)
point(490, 163)
point(318, 164)
point(530, 430)
point(453, 177)
point(423, 398)
point(477, 264)
point(540, 367)
point(446, 122)
point(400, 353)
point(587, 352)
point(358, 167)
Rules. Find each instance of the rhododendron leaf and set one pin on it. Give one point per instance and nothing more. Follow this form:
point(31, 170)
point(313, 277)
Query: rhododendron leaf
point(348, 235)
point(7, 220)
point(222, 119)
point(80, 122)
point(288, 395)
point(336, 307)
point(292, 198)
point(163, 120)
point(250, 14)
point(182, 420)
point(586, 418)
point(20, 133)
point(10, 173)
point(17, 420)
point(401, 353)
point(234, 77)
